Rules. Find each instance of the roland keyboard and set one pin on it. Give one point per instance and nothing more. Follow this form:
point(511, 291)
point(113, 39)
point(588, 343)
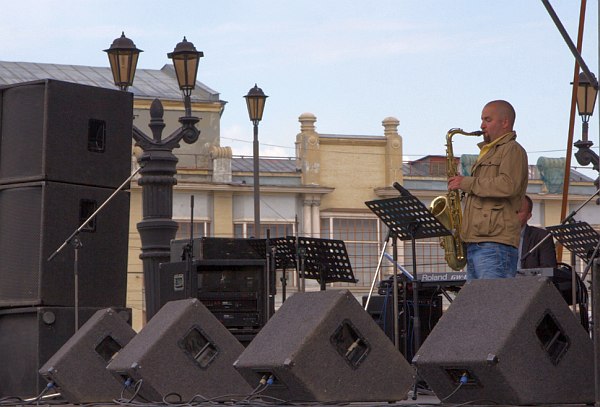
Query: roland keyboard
point(447, 278)
point(454, 279)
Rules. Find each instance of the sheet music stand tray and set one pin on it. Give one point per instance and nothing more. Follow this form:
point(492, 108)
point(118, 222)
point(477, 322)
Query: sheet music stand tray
point(408, 219)
point(326, 260)
point(285, 252)
point(578, 237)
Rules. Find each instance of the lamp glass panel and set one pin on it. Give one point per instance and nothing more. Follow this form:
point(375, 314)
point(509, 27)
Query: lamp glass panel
point(179, 65)
point(251, 103)
point(192, 71)
point(124, 59)
point(114, 66)
point(134, 60)
point(590, 100)
point(260, 107)
point(581, 94)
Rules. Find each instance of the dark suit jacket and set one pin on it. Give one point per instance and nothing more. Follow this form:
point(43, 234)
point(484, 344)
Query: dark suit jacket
point(543, 256)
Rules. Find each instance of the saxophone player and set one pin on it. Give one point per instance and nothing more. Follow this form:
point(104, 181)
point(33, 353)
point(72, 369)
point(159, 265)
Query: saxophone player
point(494, 191)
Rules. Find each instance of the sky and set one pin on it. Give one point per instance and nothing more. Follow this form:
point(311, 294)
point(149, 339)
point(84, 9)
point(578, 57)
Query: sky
point(432, 64)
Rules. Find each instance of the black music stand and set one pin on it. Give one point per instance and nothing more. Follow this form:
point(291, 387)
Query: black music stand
point(578, 237)
point(408, 219)
point(285, 257)
point(581, 239)
point(325, 260)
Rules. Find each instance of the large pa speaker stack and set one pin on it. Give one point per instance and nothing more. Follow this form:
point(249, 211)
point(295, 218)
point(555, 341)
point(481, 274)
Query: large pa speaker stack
point(324, 347)
point(64, 149)
point(509, 342)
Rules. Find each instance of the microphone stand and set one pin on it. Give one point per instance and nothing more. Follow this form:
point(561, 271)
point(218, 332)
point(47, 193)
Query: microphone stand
point(188, 256)
point(75, 241)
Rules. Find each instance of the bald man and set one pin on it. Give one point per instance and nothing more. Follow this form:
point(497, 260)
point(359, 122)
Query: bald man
point(494, 191)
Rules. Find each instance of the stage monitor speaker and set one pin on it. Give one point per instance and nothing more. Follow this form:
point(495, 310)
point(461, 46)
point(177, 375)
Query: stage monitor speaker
point(185, 350)
point(78, 370)
point(59, 131)
point(36, 219)
point(324, 347)
point(508, 342)
point(29, 337)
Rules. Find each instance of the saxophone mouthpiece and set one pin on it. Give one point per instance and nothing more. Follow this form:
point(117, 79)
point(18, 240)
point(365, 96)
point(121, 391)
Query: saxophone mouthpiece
point(478, 133)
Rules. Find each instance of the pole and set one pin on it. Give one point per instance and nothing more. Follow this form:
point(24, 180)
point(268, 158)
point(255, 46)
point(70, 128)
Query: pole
point(573, 110)
point(596, 327)
point(256, 184)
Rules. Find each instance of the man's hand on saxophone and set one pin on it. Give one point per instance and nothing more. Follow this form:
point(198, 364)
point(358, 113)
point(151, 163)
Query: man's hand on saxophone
point(454, 182)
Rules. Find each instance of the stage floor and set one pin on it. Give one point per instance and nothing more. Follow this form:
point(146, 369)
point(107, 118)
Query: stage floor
point(422, 401)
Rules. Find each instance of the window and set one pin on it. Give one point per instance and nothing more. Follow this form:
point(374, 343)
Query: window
point(430, 256)
point(201, 229)
point(246, 230)
point(362, 240)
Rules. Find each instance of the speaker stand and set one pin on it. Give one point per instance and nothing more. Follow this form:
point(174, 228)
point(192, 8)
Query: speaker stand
point(76, 244)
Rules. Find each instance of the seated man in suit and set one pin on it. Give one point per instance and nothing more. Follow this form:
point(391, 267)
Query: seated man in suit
point(543, 256)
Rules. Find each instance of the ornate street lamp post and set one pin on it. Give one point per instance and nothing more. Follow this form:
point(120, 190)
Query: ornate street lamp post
point(255, 100)
point(586, 100)
point(158, 162)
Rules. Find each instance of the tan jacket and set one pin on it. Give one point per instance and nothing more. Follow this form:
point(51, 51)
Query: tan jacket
point(494, 190)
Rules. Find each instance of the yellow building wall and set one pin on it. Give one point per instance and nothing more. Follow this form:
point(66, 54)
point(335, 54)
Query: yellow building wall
point(354, 170)
point(135, 276)
point(552, 212)
point(223, 214)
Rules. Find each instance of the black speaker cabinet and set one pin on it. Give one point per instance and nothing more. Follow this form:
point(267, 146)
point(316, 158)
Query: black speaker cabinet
point(28, 338)
point(323, 346)
point(36, 218)
point(183, 349)
point(235, 291)
point(78, 369)
point(509, 342)
point(60, 131)
point(221, 248)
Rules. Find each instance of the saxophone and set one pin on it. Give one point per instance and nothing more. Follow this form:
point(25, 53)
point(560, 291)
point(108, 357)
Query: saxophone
point(447, 209)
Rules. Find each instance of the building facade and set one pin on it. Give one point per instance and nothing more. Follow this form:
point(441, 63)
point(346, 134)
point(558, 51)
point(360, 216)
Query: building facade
point(320, 193)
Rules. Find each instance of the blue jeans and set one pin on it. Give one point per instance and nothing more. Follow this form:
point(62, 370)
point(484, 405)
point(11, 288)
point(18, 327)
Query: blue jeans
point(491, 260)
